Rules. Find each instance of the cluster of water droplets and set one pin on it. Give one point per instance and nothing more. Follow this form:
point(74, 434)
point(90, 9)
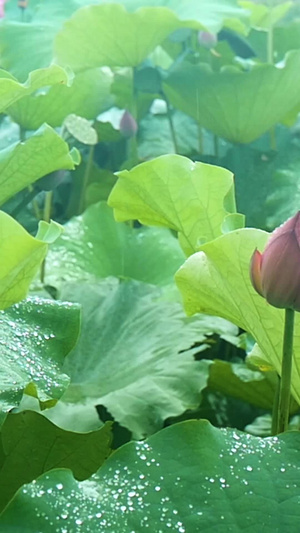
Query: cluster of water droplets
point(151, 488)
point(26, 351)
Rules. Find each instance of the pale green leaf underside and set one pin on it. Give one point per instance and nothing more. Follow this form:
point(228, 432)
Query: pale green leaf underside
point(189, 477)
point(23, 163)
point(212, 15)
point(175, 192)
point(108, 35)
point(239, 381)
point(11, 90)
point(239, 106)
point(94, 244)
point(263, 17)
point(86, 97)
point(139, 363)
point(216, 281)
point(21, 255)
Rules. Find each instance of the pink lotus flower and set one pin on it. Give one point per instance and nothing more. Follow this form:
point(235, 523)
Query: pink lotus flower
point(128, 125)
point(2, 12)
point(207, 39)
point(275, 274)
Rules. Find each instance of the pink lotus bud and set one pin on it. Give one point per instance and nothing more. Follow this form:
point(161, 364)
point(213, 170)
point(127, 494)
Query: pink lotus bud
point(2, 12)
point(206, 39)
point(128, 125)
point(275, 274)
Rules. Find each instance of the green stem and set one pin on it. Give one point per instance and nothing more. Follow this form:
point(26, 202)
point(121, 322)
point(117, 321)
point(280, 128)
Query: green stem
point(46, 217)
point(47, 206)
point(286, 372)
point(32, 198)
point(270, 60)
point(35, 205)
point(200, 139)
point(270, 44)
point(85, 180)
point(132, 150)
point(171, 124)
point(22, 134)
point(216, 146)
point(132, 145)
point(275, 408)
point(26, 200)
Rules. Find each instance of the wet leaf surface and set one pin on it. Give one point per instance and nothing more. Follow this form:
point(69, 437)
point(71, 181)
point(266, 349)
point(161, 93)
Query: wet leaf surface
point(32, 445)
point(188, 478)
point(36, 336)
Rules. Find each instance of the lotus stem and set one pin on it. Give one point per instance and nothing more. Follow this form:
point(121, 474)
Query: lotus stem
point(270, 60)
point(275, 408)
point(216, 146)
point(46, 217)
point(28, 197)
point(86, 178)
point(132, 145)
point(200, 139)
point(171, 124)
point(286, 372)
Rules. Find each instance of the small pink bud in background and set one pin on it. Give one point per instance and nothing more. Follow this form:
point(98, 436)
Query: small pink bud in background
point(275, 274)
point(128, 125)
point(207, 39)
point(2, 12)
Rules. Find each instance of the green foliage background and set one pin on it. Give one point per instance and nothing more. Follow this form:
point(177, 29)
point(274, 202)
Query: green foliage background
point(138, 366)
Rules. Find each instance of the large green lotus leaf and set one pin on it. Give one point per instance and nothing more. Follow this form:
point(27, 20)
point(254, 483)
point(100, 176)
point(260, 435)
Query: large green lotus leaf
point(239, 381)
point(11, 90)
point(108, 35)
point(21, 255)
point(25, 162)
point(265, 17)
point(254, 177)
point(239, 106)
point(31, 445)
point(134, 356)
point(25, 46)
point(285, 38)
point(190, 477)
point(94, 244)
point(216, 281)
point(283, 199)
point(190, 198)
point(266, 182)
point(213, 13)
point(40, 10)
point(36, 336)
point(86, 97)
